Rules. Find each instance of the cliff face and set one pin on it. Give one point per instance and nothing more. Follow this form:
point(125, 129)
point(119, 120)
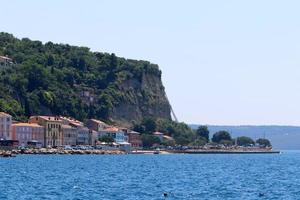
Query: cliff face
point(143, 99)
point(59, 79)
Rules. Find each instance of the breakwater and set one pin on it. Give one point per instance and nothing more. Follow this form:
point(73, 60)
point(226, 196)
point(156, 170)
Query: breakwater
point(263, 151)
point(45, 151)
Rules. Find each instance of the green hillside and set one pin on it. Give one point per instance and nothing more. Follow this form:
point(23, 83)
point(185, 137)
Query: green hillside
point(60, 79)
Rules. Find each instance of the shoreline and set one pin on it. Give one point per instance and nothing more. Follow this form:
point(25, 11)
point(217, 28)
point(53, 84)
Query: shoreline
point(43, 151)
point(221, 151)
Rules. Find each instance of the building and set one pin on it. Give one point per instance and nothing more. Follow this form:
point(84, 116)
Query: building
point(113, 132)
point(134, 138)
point(70, 121)
point(53, 135)
point(69, 135)
point(159, 135)
point(94, 135)
point(5, 126)
point(84, 136)
point(4, 60)
point(26, 133)
point(96, 125)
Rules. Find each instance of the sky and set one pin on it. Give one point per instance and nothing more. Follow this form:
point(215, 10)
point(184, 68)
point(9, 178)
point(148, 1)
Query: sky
point(227, 62)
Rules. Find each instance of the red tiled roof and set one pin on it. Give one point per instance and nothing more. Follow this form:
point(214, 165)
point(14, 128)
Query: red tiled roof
point(5, 114)
point(27, 125)
point(48, 118)
point(111, 129)
point(97, 121)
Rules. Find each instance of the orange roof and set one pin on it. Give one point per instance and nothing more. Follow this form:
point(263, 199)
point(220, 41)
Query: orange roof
point(48, 118)
point(111, 129)
point(97, 121)
point(5, 114)
point(27, 125)
point(72, 121)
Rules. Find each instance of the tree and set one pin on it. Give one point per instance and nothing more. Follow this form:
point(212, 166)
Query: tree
point(149, 140)
point(106, 139)
point(221, 135)
point(245, 141)
point(203, 132)
point(169, 143)
point(201, 141)
point(226, 142)
point(149, 124)
point(263, 142)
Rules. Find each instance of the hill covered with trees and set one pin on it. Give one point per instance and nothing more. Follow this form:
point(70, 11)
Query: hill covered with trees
point(60, 79)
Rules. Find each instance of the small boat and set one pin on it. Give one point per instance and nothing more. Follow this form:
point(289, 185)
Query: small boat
point(156, 151)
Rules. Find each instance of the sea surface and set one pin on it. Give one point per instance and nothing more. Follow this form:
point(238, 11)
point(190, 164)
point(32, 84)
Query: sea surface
point(147, 177)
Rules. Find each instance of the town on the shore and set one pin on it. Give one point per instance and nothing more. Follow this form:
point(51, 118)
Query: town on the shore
point(59, 131)
point(60, 134)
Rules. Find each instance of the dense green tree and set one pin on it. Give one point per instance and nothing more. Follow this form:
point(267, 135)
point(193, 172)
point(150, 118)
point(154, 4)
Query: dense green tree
point(245, 141)
point(149, 124)
point(181, 132)
point(203, 132)
point(106, 139)
point(150, 140)
point(263, 142)
point(169, 143)
point(199, 142)
point(221, 136)
point(227, 142)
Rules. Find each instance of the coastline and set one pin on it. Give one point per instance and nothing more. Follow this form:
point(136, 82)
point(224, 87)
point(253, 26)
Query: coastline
point(220, 151)
point(44, 151)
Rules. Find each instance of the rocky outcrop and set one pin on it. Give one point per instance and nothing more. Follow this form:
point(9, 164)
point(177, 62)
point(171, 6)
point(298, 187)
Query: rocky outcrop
point(145, 98)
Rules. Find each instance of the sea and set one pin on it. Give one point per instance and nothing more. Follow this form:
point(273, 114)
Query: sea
point(149, 177)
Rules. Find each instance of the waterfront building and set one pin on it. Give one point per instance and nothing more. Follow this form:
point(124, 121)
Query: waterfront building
point(69, 135)
point(27, 133)
point(93, 137)
point(113, 132)
point(96, 125)
point(70, 121)
point(5, 126)
point(83, 136)
point(134, 138)
point(53, 135)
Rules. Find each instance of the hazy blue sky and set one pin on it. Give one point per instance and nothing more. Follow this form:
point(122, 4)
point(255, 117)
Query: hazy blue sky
point(223, 62)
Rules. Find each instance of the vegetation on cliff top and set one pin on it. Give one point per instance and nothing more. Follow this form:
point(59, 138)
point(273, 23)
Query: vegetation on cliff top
point(60, 79)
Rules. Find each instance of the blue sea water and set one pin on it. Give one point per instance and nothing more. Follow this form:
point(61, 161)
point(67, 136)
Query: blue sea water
point(146, 177)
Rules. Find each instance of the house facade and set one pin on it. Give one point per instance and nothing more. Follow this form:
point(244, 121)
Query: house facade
point(134, 138)
point(96, 125)
point(83, 136)
point(25, 132)
point(113, 132)
point(5, 126)
point(53, 135)
point(69, 135)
